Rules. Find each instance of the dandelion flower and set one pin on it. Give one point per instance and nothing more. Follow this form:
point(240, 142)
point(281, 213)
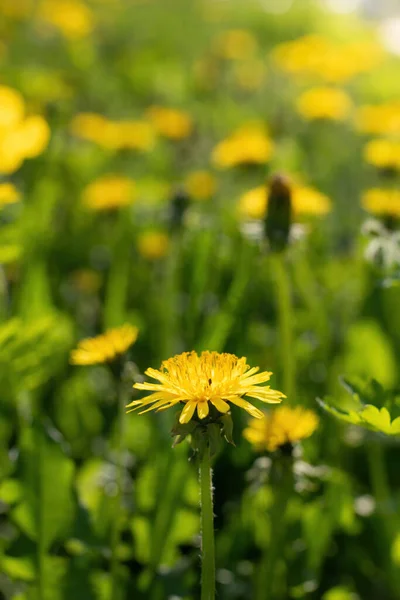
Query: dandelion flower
point(284, 425)
point(153, 245)
point(200, 185)
point(306, 200)
point(379, 118)
point(235, 44)
point(109, 193)
point(8, 194)
point(72, 18)
point(382, 202)
point(198, 381)
point(384, 154)
point(106, 347)
point(247, 145)
point(170, 122)
point(324, 103)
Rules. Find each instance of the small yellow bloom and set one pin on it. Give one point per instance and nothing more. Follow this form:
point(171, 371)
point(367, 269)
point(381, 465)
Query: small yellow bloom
point(115, 135)
point(324, 103)
point(382, 202)
point(106, 347)
point(305, 201)
point(283, 425)
point(379, 118)
point(109, 193)
point(247, 145)
point(153, 245)
point(200, 185)
point(16, 10)
point(327, 61)
point(72, 18)
point(235, 44)
point(8, 194)
point(12, 108)
point(170, 122)
point(382, 153)
point(198, 381)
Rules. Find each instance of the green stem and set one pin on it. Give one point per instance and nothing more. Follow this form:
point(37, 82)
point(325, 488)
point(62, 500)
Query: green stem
point(285, 323)
point(41, 547)
point(207, 528)
point(116, 523)
point(389, 519)
point(282, 481)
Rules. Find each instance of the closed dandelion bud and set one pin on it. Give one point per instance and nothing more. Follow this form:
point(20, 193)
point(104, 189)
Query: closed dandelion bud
point(279, 213)
point(179, 204)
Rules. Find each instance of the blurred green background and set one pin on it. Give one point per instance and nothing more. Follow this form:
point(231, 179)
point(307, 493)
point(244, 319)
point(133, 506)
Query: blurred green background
point(137, 139)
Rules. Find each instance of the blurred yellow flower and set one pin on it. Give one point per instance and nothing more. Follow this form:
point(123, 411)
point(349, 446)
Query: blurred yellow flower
point(200, 185)
point(283, 425)
point(197, 381)
point(306, 200)
point(106, 347)
point(379, 118)
point(327, 61)
point(235, 44)
point(72, 18)
point(8, 194)
point(109, 193)
point(324, 103)
point(247, 145)
point(170, 122)
point(383, 153)
point(382, 202)
point(20, 137)
point(114, 135)
point(12, 108)
point(153, 245)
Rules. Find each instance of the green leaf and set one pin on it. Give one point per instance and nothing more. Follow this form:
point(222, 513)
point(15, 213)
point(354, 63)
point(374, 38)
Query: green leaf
point(47, 509)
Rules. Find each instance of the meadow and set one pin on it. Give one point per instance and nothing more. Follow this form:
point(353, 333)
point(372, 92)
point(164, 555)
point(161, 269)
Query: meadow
point(190, 190)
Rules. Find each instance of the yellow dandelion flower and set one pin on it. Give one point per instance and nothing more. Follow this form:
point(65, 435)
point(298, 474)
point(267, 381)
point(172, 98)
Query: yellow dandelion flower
point(28, 139)
point(106, 347)
point(382, 202)
point(379, 118)
point(12, 108)
point(130, 134)
point(235, 44)
point(170, 122)
point(198, 381)
point(327, 61)
point(247, 145)
point(8, 194)
point(72, 18)
point(383, 153)
point(324, 103)
point(283, 425)
point(109, 193)
point(306, 200)
point(200, 185)
point(153, 245)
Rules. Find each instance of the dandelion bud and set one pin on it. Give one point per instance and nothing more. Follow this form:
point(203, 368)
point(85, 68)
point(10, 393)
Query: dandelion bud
point(279, 213)
point(179, 204)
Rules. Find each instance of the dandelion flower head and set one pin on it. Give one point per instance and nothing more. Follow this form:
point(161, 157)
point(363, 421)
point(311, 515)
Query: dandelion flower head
point(283, 425)
point(109, 193)
point(324, 103)
point(170, 122)
point(106, 347)
point(153, 244)
point(200, 381)
point(247, 145)
point(383, 153)
point(382, 202)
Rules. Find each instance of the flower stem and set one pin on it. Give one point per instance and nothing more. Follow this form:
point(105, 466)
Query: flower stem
point(282, 482)
point(285, 323)
point(116, 526)
point(207, 528)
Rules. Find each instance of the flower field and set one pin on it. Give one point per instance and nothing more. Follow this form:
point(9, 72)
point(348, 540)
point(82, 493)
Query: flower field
point(199, 301)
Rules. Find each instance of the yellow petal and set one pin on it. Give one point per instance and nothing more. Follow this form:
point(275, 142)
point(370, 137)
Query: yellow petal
point(220, 405)
point(187, 412)
point(202, 409)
